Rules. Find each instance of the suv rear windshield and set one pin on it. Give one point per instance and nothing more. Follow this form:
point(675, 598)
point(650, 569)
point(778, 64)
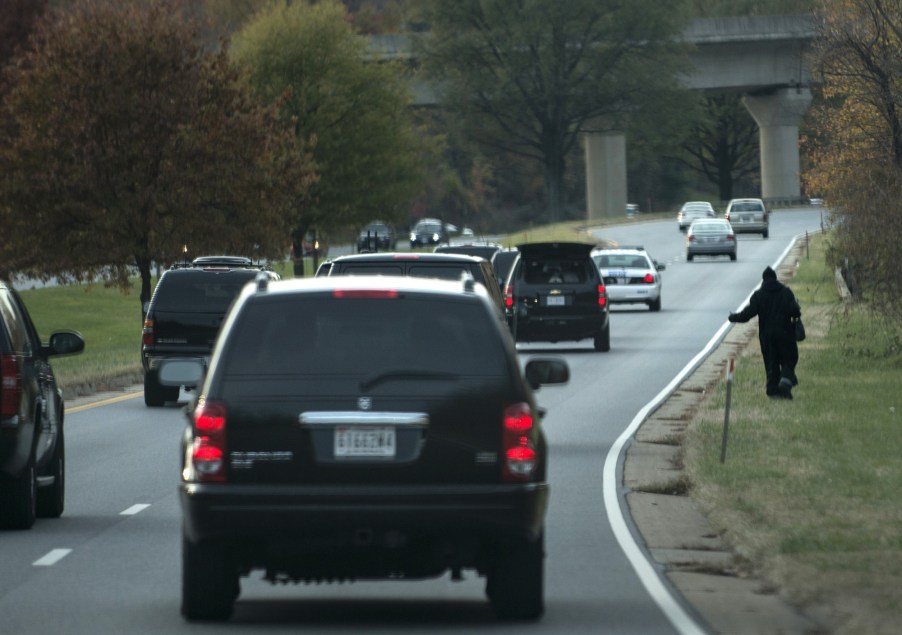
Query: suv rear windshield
point(319, 335)
point(202, 291)
point(557, 271)
point(747, 207)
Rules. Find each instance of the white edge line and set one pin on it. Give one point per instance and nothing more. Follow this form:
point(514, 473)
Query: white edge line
point(51, 557)
point(660, 592)
point(134, 509)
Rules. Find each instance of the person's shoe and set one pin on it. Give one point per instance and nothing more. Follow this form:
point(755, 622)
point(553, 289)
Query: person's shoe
point(785, 388)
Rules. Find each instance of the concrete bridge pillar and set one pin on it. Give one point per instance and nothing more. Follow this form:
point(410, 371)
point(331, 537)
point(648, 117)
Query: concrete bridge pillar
point(778, 116)
point(605, 174)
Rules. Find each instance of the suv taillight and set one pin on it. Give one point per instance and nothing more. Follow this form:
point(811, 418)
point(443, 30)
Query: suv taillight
point(520, 457)
point(509, 296)
point(10, 386)
point(147, 333)
point(602, 295)
point(208, 450)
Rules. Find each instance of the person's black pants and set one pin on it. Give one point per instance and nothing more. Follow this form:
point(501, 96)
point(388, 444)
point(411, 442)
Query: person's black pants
point(781, 354)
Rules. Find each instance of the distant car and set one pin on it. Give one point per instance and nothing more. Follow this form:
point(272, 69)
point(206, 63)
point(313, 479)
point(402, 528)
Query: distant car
point(693, 210)
point(630, 276)
point(377, 236)
point(485, 250)
point(420, 265)
point(364, 428)
point(710, 237)
point(186, 311)
point(32, 440)
point(554, 293)
point(748, 216)
point(427, 232)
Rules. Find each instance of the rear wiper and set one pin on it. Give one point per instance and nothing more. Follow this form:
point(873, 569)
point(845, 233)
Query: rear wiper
point(404, 374)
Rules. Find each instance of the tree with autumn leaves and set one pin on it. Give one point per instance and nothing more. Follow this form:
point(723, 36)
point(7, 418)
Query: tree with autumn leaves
point(857, 150)
point(124, 144)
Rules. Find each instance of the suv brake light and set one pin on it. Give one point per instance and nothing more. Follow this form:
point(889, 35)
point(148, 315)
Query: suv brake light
point(208, 450)
point(147, 334)
point(365, 293)
point(509, 296)
point(10, 386)
point(520, 457)
point(602, 295)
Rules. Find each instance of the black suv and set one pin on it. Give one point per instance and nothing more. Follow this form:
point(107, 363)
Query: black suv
point(377, 236)
point(325, 447)
point(185, 312)
point(446, 266)
point(555, 293)
point(32, 445)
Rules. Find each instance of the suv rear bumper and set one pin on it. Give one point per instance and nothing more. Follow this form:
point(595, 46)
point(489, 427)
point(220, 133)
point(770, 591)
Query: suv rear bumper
point(553, 328)
point(251, 511)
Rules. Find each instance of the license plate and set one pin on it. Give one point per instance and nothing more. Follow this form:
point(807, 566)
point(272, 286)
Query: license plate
point(555, 300)
point(357, 441)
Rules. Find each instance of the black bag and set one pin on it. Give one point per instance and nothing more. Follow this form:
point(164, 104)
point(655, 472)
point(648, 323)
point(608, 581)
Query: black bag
point(799, 329)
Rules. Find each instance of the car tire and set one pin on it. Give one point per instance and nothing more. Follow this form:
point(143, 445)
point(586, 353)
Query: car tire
point(765, 234)
point(515, 584)
point(18, 499)
point(155, 395)
point(209, 581)
point(733, 257)
point(689, 257)
point(51, 499)
point(655, 305)
point(603, 339)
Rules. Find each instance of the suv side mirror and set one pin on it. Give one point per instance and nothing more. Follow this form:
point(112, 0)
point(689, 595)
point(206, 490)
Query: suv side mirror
point(546, 371)
point(65, 343)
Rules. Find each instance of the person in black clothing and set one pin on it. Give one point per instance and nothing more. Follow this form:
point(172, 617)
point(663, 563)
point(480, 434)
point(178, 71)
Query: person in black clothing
point(776, 306)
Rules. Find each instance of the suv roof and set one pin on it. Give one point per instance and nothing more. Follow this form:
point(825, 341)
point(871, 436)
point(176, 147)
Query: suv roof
point(232, 262)
point(429, 265)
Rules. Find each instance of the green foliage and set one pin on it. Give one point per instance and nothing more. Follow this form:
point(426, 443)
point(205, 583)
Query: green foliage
point(856, 146)
point(722, 143)
point(355, 112)
point(529, 77)
point(130, 142)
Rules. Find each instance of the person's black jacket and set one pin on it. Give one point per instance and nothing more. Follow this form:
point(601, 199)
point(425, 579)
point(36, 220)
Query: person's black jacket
point(775, 305)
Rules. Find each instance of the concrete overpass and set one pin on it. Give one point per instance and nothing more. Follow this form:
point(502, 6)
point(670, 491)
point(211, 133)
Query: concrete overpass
point(762, 58)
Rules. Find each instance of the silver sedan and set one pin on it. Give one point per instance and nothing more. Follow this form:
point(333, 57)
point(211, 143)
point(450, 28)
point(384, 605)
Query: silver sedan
point(710, 237)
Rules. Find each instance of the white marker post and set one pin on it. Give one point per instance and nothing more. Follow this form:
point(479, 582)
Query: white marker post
point(726, 416)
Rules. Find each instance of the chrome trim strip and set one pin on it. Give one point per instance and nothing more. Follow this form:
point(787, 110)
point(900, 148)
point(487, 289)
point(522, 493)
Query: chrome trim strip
point(356, 417)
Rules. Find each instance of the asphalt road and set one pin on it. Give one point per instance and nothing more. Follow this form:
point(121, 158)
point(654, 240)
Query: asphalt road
point(111, 563)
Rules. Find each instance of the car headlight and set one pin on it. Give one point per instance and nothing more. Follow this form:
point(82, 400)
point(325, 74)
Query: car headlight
point(413, 236)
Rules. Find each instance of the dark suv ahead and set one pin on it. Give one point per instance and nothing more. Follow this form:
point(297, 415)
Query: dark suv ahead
point(555, 293)
point(32, 444)
point(183, 317)
point(429, 265)
point(325, 447)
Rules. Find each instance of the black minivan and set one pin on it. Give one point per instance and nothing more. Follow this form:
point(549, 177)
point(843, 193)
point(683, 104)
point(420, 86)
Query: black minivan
point(554, 293)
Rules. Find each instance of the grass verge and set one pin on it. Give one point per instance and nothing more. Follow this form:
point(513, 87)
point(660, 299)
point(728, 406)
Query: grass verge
point(811, 489)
